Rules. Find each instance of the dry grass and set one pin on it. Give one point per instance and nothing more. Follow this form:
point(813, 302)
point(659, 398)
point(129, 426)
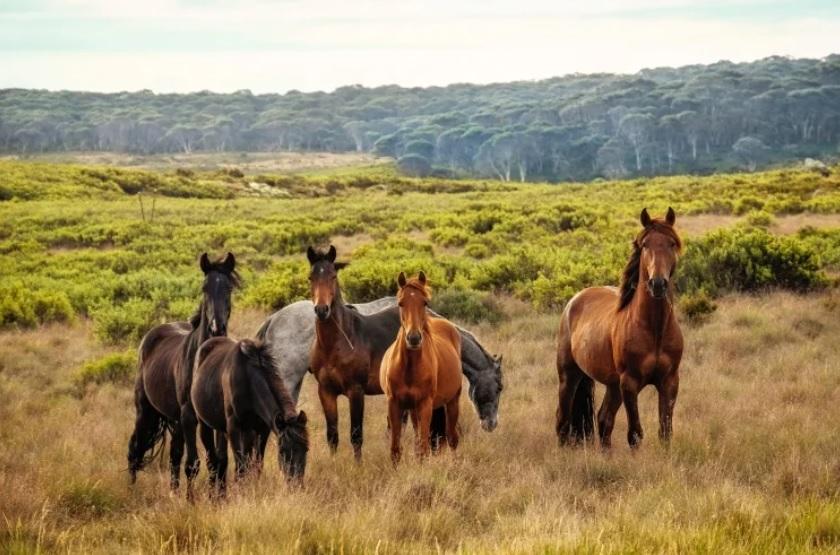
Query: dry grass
point(753, 466)
point(693, 225)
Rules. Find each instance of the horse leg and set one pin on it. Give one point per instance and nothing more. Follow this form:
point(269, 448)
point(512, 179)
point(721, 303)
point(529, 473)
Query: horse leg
point(249, 442)
point(424, 419)
point(189, 423)
point(206, 434)
point(234, 433)
point(329, 403)
point(222, 458)
point(668, 388)
point(259, 450)
point(630, 396)
point(438, 428)
point(357, 420)
point(395, 418)
point(452, 409)
point(147, 431)
point(176, 453)
point(606, 414)
point(570, 376)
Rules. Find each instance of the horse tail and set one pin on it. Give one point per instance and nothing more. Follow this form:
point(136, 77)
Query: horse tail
point(583, 410)
point(149, 430)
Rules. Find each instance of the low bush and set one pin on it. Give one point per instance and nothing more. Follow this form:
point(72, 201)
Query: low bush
point(112, 368)
point(697, 306)
point(23, 306)
point(467, 305)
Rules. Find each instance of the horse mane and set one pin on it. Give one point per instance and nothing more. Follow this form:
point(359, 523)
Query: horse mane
point(265, 362)
point(630, 274)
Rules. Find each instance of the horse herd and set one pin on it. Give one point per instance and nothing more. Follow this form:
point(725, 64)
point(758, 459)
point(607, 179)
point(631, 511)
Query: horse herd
point(194, 380)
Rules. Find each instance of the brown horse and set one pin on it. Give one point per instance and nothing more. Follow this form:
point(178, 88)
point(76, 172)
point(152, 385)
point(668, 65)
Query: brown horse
point(625, 338)
point(166, 355)
point(347, 349)
point(421, 370)
point(238, 398)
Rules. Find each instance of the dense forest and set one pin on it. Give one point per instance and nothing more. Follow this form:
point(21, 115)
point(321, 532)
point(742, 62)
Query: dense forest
point(692, 119)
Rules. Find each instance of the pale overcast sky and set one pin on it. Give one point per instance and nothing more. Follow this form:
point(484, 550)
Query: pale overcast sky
point(225, 45)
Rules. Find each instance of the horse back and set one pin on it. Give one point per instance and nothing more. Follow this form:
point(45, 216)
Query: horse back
point(585, 336)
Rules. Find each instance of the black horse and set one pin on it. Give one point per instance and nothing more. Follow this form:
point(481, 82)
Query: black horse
point(238, 398)
point(166, 356)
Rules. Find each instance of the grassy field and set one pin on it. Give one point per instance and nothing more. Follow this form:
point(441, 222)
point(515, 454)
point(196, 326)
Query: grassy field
point(753, 466)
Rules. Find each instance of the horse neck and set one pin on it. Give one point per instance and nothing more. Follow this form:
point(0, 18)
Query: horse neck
point(198, 335)
point(654, 314)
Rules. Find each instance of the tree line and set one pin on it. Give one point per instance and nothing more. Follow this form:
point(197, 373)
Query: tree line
point(692, 119)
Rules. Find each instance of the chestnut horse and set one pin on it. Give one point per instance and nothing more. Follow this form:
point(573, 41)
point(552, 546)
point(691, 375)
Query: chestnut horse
point(624, 338)
point(347, 349)
point(166, 355)
point(421, 370)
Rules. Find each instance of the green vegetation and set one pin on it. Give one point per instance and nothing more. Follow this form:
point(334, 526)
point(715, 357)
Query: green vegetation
point(71, 246)
point(692, 119)
point(113, 368)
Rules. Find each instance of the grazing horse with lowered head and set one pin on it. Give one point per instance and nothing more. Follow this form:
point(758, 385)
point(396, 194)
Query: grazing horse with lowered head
point(624, 338)
point(238, 398)
point(166, 355)
point(347, 349)
point(421, 370)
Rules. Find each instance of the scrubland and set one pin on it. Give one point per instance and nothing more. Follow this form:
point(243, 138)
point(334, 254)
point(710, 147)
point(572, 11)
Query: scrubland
point(753, 466)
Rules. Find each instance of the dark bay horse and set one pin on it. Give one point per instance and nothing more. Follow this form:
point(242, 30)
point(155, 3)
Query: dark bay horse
point(624, 338)
point(347, 349)
point(166, 355)
point(421, 370)
point(238, 398)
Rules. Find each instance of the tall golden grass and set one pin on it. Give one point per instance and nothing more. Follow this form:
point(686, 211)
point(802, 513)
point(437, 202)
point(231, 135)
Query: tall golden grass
point(753, 467)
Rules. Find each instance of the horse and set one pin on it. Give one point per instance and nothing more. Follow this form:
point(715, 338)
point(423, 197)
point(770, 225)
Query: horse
point(421, 370)
point(238, 398)
point(165, 364)
point(625, 338)
point(290, 331)
point(347, 349)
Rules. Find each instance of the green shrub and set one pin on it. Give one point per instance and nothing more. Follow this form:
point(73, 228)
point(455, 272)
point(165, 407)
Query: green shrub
point(467, 305)
point(748, 260)
point(697, 306)
point(127, 321)
point(25, 306)
point(759, 218)
point(112, 368)
point(281, 285)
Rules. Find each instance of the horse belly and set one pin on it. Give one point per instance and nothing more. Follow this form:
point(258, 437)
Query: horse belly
point(593, 355)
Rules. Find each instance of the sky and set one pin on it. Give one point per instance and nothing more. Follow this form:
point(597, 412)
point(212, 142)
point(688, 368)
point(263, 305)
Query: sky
point(276, 46)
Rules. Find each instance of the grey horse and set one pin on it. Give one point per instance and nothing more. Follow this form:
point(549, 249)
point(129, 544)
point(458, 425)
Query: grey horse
point(289, 333)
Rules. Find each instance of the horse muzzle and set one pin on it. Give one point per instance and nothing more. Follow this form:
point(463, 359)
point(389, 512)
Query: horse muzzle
point(658, 287)
point(413, 340)
point(217, 330)
point(322, 311)
point(489, 424)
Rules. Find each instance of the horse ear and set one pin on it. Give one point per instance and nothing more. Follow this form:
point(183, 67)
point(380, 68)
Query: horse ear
point(301, 418)
point(401, 280)
point(279, 422)
point(498, 359)
point(340, 265)
point(246, 347)
point(229, 263)
point(671, 217)
point(645, 218)
point(422, 277)
point(331, 254)
point(204, 262)
point(311, 255)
